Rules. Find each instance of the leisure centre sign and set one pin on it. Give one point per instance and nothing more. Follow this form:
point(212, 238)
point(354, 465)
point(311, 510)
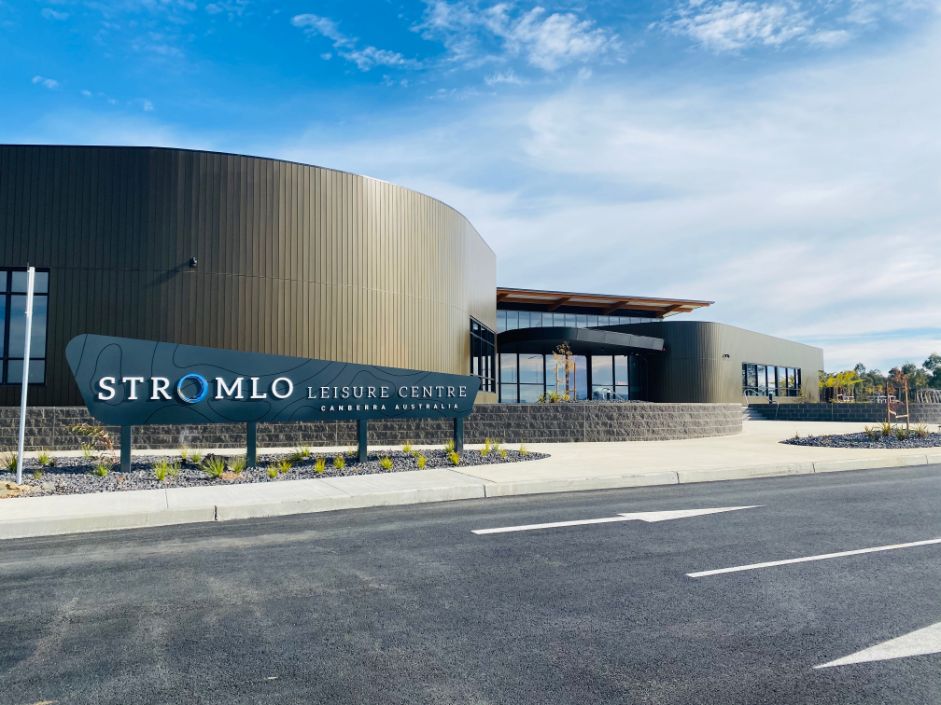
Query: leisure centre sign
point(130, 382)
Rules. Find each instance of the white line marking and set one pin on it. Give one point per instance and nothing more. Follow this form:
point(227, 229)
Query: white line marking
point(807, 559)
point(636, 516)
point(920, 642)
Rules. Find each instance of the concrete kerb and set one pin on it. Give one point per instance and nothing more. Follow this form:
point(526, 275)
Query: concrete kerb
point(57, 515)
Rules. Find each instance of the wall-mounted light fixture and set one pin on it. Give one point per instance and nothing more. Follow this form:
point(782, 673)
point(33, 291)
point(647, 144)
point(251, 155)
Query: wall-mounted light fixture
point(725, 355)
point(193, 262)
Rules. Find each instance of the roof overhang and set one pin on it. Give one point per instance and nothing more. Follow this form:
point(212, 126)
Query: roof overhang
point(582, 341)
point(604, 304)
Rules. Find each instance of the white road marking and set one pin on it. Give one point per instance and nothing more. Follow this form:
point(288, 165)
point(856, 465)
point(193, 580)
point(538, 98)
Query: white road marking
point(807, 559)
point(636, 516)
point(920, 642)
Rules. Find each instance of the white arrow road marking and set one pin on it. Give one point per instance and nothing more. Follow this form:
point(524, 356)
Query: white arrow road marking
point(917, 643)
point(636, 516)
point(807, 559)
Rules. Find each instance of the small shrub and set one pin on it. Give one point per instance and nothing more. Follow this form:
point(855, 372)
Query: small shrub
point(196, 458)
point(454, 457)
point(872, 433)
point(299, 454)
point(449, 446)
point(385, 463)
point(902, 434)
point(45, 460)
point(503, 454)
point(184, 454)
point(524, 451)
point(9, 462)
point(797, 436)
point(95, 436)
point(213, 466)
point(87, 452)
point(339, 462)
point(237, 465)
point(173, 470)
point(487, 449)
point(37, 474)
point(162, 469)
point(284, 466)
point(886, 428)
point(101, 470)
point(272, 473)
point(421, 461)
point(407, 448)
point(320, 466)
point(921, 430)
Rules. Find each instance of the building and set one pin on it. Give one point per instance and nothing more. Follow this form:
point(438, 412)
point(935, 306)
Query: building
point(265, 255)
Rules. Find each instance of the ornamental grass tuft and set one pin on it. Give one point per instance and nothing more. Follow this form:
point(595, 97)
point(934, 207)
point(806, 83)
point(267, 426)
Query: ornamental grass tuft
point(213, 466)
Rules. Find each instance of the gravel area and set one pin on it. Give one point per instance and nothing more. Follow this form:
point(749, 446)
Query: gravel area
point(861, 440)
point(77, 475)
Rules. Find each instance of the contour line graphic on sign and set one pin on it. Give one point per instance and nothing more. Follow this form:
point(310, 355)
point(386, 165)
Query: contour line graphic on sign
point(125, 381)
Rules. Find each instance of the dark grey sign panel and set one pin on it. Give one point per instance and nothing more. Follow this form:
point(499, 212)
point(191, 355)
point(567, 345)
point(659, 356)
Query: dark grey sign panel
point(128, 382)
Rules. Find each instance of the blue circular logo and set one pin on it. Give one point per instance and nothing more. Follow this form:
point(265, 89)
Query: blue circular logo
point(200, 382)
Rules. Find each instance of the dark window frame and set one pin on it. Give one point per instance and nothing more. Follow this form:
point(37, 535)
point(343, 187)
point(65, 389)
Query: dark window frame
point(7, 274)
point(790, 386)
point(483, 350)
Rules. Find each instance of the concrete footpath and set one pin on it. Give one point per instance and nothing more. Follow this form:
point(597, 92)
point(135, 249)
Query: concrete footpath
point(755, 453)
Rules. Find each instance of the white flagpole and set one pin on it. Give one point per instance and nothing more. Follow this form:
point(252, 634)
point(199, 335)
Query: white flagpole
point(30, 278)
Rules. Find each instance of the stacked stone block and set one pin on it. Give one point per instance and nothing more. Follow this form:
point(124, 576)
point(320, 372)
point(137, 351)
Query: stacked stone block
point(48, 427)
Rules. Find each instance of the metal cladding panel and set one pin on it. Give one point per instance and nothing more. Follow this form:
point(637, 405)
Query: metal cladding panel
point(703, 360)
point(292, 259)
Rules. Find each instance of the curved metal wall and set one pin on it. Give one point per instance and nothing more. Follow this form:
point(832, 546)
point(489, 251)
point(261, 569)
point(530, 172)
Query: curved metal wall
point(703, 360)
point(292, 259)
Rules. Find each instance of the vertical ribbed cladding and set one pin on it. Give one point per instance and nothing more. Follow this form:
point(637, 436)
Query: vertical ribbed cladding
point(292, 259)
point(703, 360)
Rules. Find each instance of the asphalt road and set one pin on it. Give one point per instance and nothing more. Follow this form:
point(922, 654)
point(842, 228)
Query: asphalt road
point(407, 605)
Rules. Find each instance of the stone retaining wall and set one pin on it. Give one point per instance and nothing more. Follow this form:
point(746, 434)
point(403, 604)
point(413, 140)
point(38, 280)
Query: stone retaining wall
point(864, 413)
point(48, 427)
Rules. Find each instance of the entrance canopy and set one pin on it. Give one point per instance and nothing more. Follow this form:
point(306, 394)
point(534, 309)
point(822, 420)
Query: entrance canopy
point(582, 341)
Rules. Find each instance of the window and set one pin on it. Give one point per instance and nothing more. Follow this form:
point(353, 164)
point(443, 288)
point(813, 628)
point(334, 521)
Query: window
point(483, 349)
point(762, 380)
point(13, 318)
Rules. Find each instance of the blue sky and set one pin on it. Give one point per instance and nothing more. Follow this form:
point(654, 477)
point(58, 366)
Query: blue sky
point(782, 158)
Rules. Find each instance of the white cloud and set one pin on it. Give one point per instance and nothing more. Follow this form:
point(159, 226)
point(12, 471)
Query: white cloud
point(830, 37)
point(503, 77)
point(49, 83)
point(51, 14)
point(803, 201)
point(230, 8)
point(730, 25)
point(547, 41)
point(735, 25)
point(147, 106)
point(348, 47)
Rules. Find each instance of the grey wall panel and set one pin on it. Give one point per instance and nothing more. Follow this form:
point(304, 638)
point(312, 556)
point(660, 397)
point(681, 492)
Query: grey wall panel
point(293, 259)
point(703, 360)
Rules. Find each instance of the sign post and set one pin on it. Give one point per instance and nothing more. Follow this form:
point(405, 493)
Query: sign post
point(30, 281)
point(251, 444)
